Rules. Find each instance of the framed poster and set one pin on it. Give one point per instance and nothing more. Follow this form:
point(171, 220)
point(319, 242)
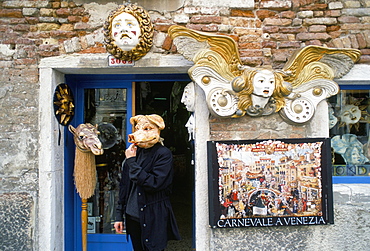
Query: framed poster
point(262, 183)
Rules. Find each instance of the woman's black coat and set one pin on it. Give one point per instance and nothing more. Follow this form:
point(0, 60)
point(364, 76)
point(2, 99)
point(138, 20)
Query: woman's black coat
point(154, 184)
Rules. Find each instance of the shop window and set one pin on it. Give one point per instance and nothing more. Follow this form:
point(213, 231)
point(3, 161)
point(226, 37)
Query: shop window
point(349, 116)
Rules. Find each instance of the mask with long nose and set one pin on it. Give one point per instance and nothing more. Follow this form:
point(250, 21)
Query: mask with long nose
point(86, 138)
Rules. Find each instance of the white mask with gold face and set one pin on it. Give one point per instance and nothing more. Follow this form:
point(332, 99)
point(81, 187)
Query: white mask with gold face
point(125, 31)
point(350, 114)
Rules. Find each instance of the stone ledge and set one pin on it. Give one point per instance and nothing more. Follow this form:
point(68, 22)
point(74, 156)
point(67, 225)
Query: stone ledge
point(98, 63)
point(359, 72)
point(353, 194)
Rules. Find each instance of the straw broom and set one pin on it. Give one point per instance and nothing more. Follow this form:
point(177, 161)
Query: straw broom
point(85, 173)
point(85, 181)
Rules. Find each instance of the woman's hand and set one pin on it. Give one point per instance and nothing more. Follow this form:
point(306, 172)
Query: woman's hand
point(118, 225)
point(131, 151)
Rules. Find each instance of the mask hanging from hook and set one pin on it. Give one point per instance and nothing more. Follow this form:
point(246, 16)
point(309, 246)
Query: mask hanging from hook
point(63, 106)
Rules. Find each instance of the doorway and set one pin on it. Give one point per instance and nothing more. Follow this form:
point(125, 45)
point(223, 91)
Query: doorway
point(109, 101)
point(164, 99)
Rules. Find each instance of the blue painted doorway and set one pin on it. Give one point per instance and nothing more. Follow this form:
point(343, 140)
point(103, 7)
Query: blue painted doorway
point(109, 100)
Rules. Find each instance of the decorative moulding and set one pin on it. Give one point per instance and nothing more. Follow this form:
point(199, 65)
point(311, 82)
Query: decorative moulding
point(234, 90)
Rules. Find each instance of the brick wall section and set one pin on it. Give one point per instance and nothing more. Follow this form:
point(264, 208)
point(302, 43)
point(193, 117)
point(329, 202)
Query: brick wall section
point(270, 33)
point(266, 35)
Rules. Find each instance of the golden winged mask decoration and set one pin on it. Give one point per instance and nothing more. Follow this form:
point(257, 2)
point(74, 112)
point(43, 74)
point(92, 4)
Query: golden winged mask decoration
point(234, 90)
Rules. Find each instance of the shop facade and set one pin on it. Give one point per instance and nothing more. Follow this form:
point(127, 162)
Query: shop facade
point(49, 43)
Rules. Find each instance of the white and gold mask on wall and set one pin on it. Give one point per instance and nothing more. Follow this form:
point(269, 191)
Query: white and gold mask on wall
point(354, 110)
point(233, 89)
point(128, 32)
point(125, 31)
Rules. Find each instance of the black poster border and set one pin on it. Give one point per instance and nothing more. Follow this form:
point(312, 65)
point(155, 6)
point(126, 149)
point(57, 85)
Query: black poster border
point(327, 216)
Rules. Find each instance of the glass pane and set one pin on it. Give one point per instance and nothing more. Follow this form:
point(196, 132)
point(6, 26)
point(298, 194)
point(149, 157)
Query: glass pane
point(106, 108)
point(349, 132)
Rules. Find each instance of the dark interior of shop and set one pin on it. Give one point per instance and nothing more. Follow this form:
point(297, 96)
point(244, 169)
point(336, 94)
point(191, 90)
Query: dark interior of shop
point(164, 99)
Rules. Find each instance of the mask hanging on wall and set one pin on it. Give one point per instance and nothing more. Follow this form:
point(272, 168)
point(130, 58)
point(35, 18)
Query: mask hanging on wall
point(128, 32)
point(63, 105)
point(233, 89)
point(352, 112)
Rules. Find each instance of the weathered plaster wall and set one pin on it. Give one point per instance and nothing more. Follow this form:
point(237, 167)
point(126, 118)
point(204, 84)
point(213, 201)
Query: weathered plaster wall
point(267, 32)
point(351, 201)
point(17, 221)
point(349, 232)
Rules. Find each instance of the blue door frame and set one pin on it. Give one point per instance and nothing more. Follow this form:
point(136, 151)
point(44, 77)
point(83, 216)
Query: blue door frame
point(72, 206)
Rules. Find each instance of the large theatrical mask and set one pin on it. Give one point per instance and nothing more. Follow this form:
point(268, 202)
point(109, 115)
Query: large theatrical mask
point(234, 90)
point(128, 32)
point(125, 31)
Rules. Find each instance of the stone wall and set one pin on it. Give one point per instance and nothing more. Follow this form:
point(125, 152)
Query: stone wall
point(16, 221)
point(245, 127)
point(351, 201)
point(351, 217)
point(32, 30)
point(266, 34)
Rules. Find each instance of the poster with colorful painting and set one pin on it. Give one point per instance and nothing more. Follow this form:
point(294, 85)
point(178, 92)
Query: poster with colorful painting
point(262, 183)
